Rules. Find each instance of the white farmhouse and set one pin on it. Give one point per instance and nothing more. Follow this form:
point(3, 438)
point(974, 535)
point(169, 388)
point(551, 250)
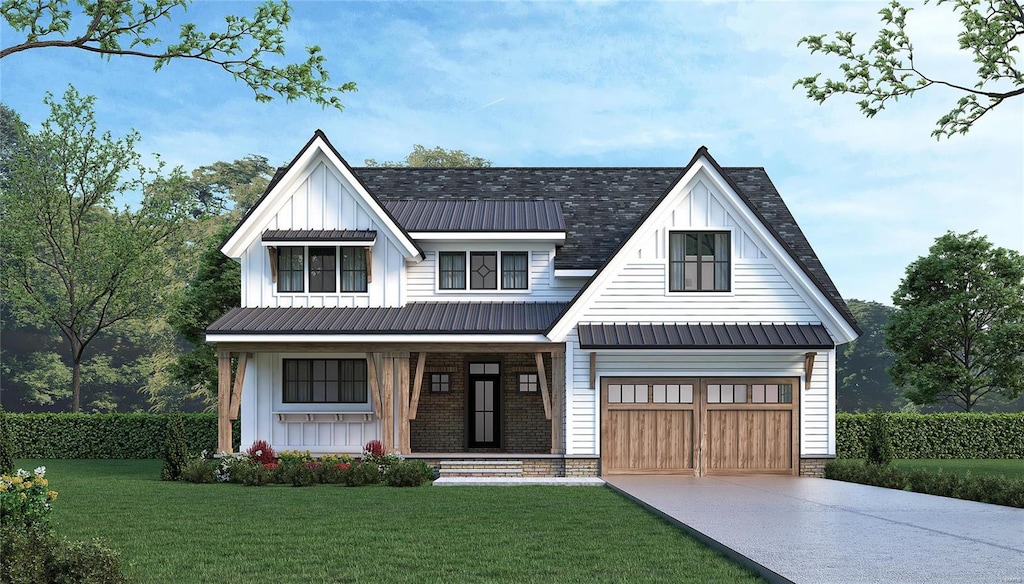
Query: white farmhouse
point(535, 321)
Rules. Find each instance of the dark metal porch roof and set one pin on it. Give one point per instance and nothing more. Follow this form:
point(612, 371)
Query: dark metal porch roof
point(325, 235)
point(704, 336)
point(440, 318)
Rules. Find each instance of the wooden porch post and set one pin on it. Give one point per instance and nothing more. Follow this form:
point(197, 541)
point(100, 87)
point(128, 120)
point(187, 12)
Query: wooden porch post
point(223, 401)
point(404, 436)
point(557, 400)
point(387, 401)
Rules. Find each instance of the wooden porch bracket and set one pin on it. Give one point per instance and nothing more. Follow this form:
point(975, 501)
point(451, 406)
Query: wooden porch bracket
point(593, 370)
point(272, 252)
point(417, 384)
point(369, 264)
point(236, 390)
point(543, 379)
point(808, 368)
point(371, 372)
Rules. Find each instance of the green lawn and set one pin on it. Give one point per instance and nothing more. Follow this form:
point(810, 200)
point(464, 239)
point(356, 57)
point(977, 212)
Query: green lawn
point(180, 532)
point(1011, 468)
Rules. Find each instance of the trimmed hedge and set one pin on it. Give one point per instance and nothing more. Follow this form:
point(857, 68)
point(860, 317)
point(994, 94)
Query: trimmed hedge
point(937, 435)
point(107, 435)
point(985, 489)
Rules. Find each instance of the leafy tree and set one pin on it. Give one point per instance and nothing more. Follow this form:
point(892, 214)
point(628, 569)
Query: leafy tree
point(240, 182)
point(130, 29)
point(436, 157)
point(864, 383)
point(213, 291)
point(958, 333)
point(12, 130)
point(175, 449)
point(69, 257)
point(6, 445)
point(887, 72)
point(879, 441)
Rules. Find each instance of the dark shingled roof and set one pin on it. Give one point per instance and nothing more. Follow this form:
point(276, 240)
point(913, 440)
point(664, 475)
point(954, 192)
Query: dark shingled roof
point(601, 206)
point(704, 336)
point(458, 215)
point(319, 235)
point(436, 318)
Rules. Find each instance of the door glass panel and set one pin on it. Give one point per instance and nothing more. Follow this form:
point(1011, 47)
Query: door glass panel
point(659, 395)
point(627, 394)
point(726, 394)
point(476, 368)
point(488, 395)
point(714, 394)
point(615, 394)
point(480, 436)
point(771, 394)
point(640, 394)
point(786, 394)
point(758, 394)
point(491, 368)
point(686, 394)
point(489, 426)
point(479, 395)
point(740, 394)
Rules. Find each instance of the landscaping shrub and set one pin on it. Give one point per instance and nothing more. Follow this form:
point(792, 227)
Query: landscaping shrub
point(981, 488)
point(334, 472)
point(262, 451)
point(304, 474)
point(361, 474)
point(409, 473)
point(199, 470)
point(6, 445)
point(133, 435)
point(175, 449)
point(878, 444)
point(35, 555)
point(253, 473)
point(936, 435)
point(25, 499)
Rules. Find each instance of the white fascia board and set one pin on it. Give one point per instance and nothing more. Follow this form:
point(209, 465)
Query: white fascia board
point(381, 338)
point(614, 264)
point(833, 320)
point(557, 237)
point(574, 273)
point(299, 171)
point(319, 242)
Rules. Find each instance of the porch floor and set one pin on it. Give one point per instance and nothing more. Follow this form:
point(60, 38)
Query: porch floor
point(518, 481)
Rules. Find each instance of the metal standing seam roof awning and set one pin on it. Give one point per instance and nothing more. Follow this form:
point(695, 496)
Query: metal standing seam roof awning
point(438, 318)
point(704, 336)
point(319, 236)
point(424, 215)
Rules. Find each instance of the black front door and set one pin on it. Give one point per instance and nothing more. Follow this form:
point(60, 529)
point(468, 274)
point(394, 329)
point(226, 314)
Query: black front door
point(484, 405)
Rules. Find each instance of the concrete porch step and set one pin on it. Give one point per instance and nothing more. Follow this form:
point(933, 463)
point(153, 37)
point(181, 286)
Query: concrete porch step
point(481, 468)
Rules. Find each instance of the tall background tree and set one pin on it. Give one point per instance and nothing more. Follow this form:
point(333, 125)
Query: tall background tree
point(864, 383)
point(958, 332)
point(71, 257)
point(244, 47)
point(992, 34)
point(436, 157)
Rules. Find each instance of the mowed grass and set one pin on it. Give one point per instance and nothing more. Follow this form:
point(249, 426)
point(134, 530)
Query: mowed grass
point(1010, 468)
point(180, 532)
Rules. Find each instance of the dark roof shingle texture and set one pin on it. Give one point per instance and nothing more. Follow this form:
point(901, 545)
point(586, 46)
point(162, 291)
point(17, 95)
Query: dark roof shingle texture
point(416, 317)
point(704, 336)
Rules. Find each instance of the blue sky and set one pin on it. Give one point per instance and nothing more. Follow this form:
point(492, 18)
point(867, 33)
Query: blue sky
point(597, 84)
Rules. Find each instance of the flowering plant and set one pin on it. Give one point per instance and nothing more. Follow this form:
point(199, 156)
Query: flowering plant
point(25, 499)
point(261, 451)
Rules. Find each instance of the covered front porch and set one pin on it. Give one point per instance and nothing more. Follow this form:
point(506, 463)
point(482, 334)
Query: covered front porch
point(429, 400)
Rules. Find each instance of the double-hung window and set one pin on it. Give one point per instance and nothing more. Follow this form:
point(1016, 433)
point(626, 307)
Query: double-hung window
point(353, 269)
point(483, 270)
point(333, 381)
point(323, 264)
point(291, 271)
point(699, 261)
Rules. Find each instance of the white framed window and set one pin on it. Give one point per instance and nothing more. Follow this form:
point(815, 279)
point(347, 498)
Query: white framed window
point(478, 271)
point(324, 381)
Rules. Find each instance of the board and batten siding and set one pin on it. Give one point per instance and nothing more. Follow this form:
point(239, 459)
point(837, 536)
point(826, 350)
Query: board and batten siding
point(817, 435)
point(324, 201)
point(421, 278)
point(761, 291)
point(262, 394)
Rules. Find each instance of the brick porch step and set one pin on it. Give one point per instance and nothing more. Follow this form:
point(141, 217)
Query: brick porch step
point(481, 468)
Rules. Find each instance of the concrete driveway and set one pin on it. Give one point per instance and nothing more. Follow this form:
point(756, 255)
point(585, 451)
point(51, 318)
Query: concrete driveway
point(819, 531)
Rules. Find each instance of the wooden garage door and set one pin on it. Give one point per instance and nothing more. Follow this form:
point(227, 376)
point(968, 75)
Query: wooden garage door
point(699, 426)
point(648, 426)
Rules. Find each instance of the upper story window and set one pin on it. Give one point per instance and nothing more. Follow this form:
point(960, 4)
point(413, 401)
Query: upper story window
point(324, 268)
point(699, 261)
point(336, 381)
point(487, 270)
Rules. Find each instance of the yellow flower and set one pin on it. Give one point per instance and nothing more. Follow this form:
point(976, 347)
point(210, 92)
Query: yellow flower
point(16, 480)
point(51, 495)
point(3, 486)
point(23, 496)
point(42, 482)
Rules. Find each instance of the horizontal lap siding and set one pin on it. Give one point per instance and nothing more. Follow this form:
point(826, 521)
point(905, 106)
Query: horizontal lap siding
point(581, 411)
point(323, 201)
point(815, 438)
point(421, 277)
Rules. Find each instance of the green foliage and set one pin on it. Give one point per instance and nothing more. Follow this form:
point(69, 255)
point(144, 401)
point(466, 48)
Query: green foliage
point(436, 157)
point(361, 474)
point(958, 333)
point(199, 470)
point(936, 435)
point(888, 72)
point(70, 258)
point(304, 474)
point(241, 48)
point(25, 498)
point(861, 365)
point(409, 473)
point(12, 132)
point(175, 449)
point(36, 555)
point(6, 445)
point(985, 489)
point(879, 442)
point(108, 435)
